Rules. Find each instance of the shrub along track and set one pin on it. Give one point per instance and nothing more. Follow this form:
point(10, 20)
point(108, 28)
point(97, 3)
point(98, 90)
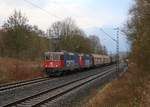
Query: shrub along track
point(50, 94)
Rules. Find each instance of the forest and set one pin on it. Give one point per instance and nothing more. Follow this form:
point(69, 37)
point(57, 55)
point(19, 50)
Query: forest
point(138, 33)
point(20, 40)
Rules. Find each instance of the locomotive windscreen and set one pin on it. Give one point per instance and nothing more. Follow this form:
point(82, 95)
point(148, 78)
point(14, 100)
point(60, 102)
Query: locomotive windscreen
point(53, 56)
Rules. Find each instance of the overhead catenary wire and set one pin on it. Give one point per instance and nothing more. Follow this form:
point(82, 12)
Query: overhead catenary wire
point(108, 35)
point(49, 13)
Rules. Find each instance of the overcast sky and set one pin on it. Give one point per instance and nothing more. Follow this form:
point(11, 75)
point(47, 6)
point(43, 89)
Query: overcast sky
point(88, 14)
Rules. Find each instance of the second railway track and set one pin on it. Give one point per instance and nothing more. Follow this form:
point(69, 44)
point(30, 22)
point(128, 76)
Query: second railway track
point(51, 94)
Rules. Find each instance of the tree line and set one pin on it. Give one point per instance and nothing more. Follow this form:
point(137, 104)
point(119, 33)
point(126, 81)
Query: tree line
point(138, 33)
point(20, 40)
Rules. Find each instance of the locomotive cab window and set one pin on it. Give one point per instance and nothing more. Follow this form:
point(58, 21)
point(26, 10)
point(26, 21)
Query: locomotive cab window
point(47, 57)
point(56, 56)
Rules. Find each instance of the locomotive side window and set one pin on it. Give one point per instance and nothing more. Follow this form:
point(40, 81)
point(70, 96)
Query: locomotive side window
point(61, 57)
point(51, 57)
point(46, 57)
point(71, 57)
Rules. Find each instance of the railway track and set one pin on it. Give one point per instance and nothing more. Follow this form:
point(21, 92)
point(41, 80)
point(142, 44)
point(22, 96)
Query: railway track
point(9, 86)
point(55, 92)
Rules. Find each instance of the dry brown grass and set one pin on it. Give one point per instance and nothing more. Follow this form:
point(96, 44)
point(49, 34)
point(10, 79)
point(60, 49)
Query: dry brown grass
point(131, 90)
point(13, 70)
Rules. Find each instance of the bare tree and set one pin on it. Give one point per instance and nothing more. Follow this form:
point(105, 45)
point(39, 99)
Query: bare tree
point(65, 35)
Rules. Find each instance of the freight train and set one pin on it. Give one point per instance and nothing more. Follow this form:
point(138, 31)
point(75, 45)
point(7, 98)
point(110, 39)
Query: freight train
point(59, 63)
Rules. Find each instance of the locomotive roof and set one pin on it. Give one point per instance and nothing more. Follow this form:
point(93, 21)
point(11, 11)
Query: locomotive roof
point(98, 55)
point(54, 52)
point(70, 53)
